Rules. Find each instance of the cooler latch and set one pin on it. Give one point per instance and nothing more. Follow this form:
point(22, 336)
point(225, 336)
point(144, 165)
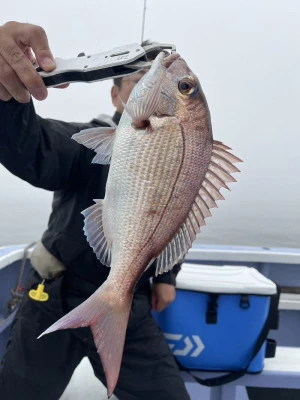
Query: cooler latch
point(245, 302)
point(212, 309)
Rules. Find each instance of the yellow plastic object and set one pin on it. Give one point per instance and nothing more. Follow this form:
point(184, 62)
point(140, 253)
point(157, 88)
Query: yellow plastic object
point(39, 294)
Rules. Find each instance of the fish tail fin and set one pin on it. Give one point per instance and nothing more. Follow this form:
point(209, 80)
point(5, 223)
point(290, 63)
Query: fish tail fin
point(108, 318)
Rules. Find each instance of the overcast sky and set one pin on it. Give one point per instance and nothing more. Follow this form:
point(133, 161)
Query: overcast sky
point(246, 55)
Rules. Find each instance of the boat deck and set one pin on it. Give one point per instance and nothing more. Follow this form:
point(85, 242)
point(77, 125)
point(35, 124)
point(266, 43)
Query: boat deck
point(281, 370)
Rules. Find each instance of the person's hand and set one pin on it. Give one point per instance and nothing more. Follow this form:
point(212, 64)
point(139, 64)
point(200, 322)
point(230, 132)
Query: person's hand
point(20, 46)
point(162, 295)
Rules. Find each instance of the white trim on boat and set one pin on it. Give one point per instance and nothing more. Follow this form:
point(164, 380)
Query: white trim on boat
point(204, 253)
point(244, 254)
point(289, 301)
point(11, 254)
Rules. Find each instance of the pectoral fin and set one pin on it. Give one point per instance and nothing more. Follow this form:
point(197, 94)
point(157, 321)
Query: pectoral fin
point(144, 98)
point(100, 139)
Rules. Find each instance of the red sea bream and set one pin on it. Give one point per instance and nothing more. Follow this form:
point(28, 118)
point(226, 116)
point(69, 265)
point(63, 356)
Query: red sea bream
point(166, 172)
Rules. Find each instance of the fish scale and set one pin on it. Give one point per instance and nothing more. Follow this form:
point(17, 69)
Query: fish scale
point(152, 149)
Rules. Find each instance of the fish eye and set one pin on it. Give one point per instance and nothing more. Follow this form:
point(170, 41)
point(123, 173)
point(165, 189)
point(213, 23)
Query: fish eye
point(186, 86)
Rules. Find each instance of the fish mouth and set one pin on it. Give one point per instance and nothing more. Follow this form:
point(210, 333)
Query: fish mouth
point(168, 61)
point(146, 65)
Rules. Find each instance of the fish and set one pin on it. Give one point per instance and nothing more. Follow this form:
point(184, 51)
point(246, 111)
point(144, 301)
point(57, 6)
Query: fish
point(166, 173)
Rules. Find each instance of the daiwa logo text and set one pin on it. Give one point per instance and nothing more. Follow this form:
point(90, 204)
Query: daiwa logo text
point(190, 346)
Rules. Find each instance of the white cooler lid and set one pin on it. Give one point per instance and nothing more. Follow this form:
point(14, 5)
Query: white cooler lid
point(224, 279)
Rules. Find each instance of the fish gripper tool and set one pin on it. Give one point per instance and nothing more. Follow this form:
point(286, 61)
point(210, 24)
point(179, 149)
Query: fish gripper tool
point(120, 61)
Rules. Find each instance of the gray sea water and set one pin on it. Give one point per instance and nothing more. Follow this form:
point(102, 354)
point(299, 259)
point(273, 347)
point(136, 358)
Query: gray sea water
point(246, 219)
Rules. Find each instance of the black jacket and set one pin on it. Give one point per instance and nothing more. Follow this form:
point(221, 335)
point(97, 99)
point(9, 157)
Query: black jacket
point(41, 152)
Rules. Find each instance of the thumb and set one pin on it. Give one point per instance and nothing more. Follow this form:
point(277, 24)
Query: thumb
point(45, 60)
point(40, 46)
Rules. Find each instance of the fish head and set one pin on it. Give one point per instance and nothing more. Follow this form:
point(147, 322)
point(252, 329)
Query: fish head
point(168, 89)
point(181, 92)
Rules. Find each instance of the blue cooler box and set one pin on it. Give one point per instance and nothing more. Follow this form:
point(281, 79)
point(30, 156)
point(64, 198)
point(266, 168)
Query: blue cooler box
point(217, 317)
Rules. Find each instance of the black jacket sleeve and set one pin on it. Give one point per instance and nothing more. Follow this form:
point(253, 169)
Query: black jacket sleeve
point(168, 277)
point(40, 151)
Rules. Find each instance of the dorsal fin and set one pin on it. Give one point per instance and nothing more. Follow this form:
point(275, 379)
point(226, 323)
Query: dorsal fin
point(217, 175)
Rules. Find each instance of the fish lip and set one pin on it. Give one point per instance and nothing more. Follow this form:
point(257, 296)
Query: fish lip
point(169, 60)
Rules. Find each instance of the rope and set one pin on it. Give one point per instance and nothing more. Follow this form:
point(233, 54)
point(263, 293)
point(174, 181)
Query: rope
point(144, 18)
point(17, 294)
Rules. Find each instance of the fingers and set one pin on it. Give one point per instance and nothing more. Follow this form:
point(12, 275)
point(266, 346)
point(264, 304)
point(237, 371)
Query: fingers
point(160, 305)
point(163, 294)
point(17, 74)
point(29, 55)
point(36, 37)
point(40, 46)
point(11, 84)
point(4, 95)
point(63, 86)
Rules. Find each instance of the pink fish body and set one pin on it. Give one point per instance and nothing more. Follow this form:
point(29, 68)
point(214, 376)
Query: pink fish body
point(165, 175)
